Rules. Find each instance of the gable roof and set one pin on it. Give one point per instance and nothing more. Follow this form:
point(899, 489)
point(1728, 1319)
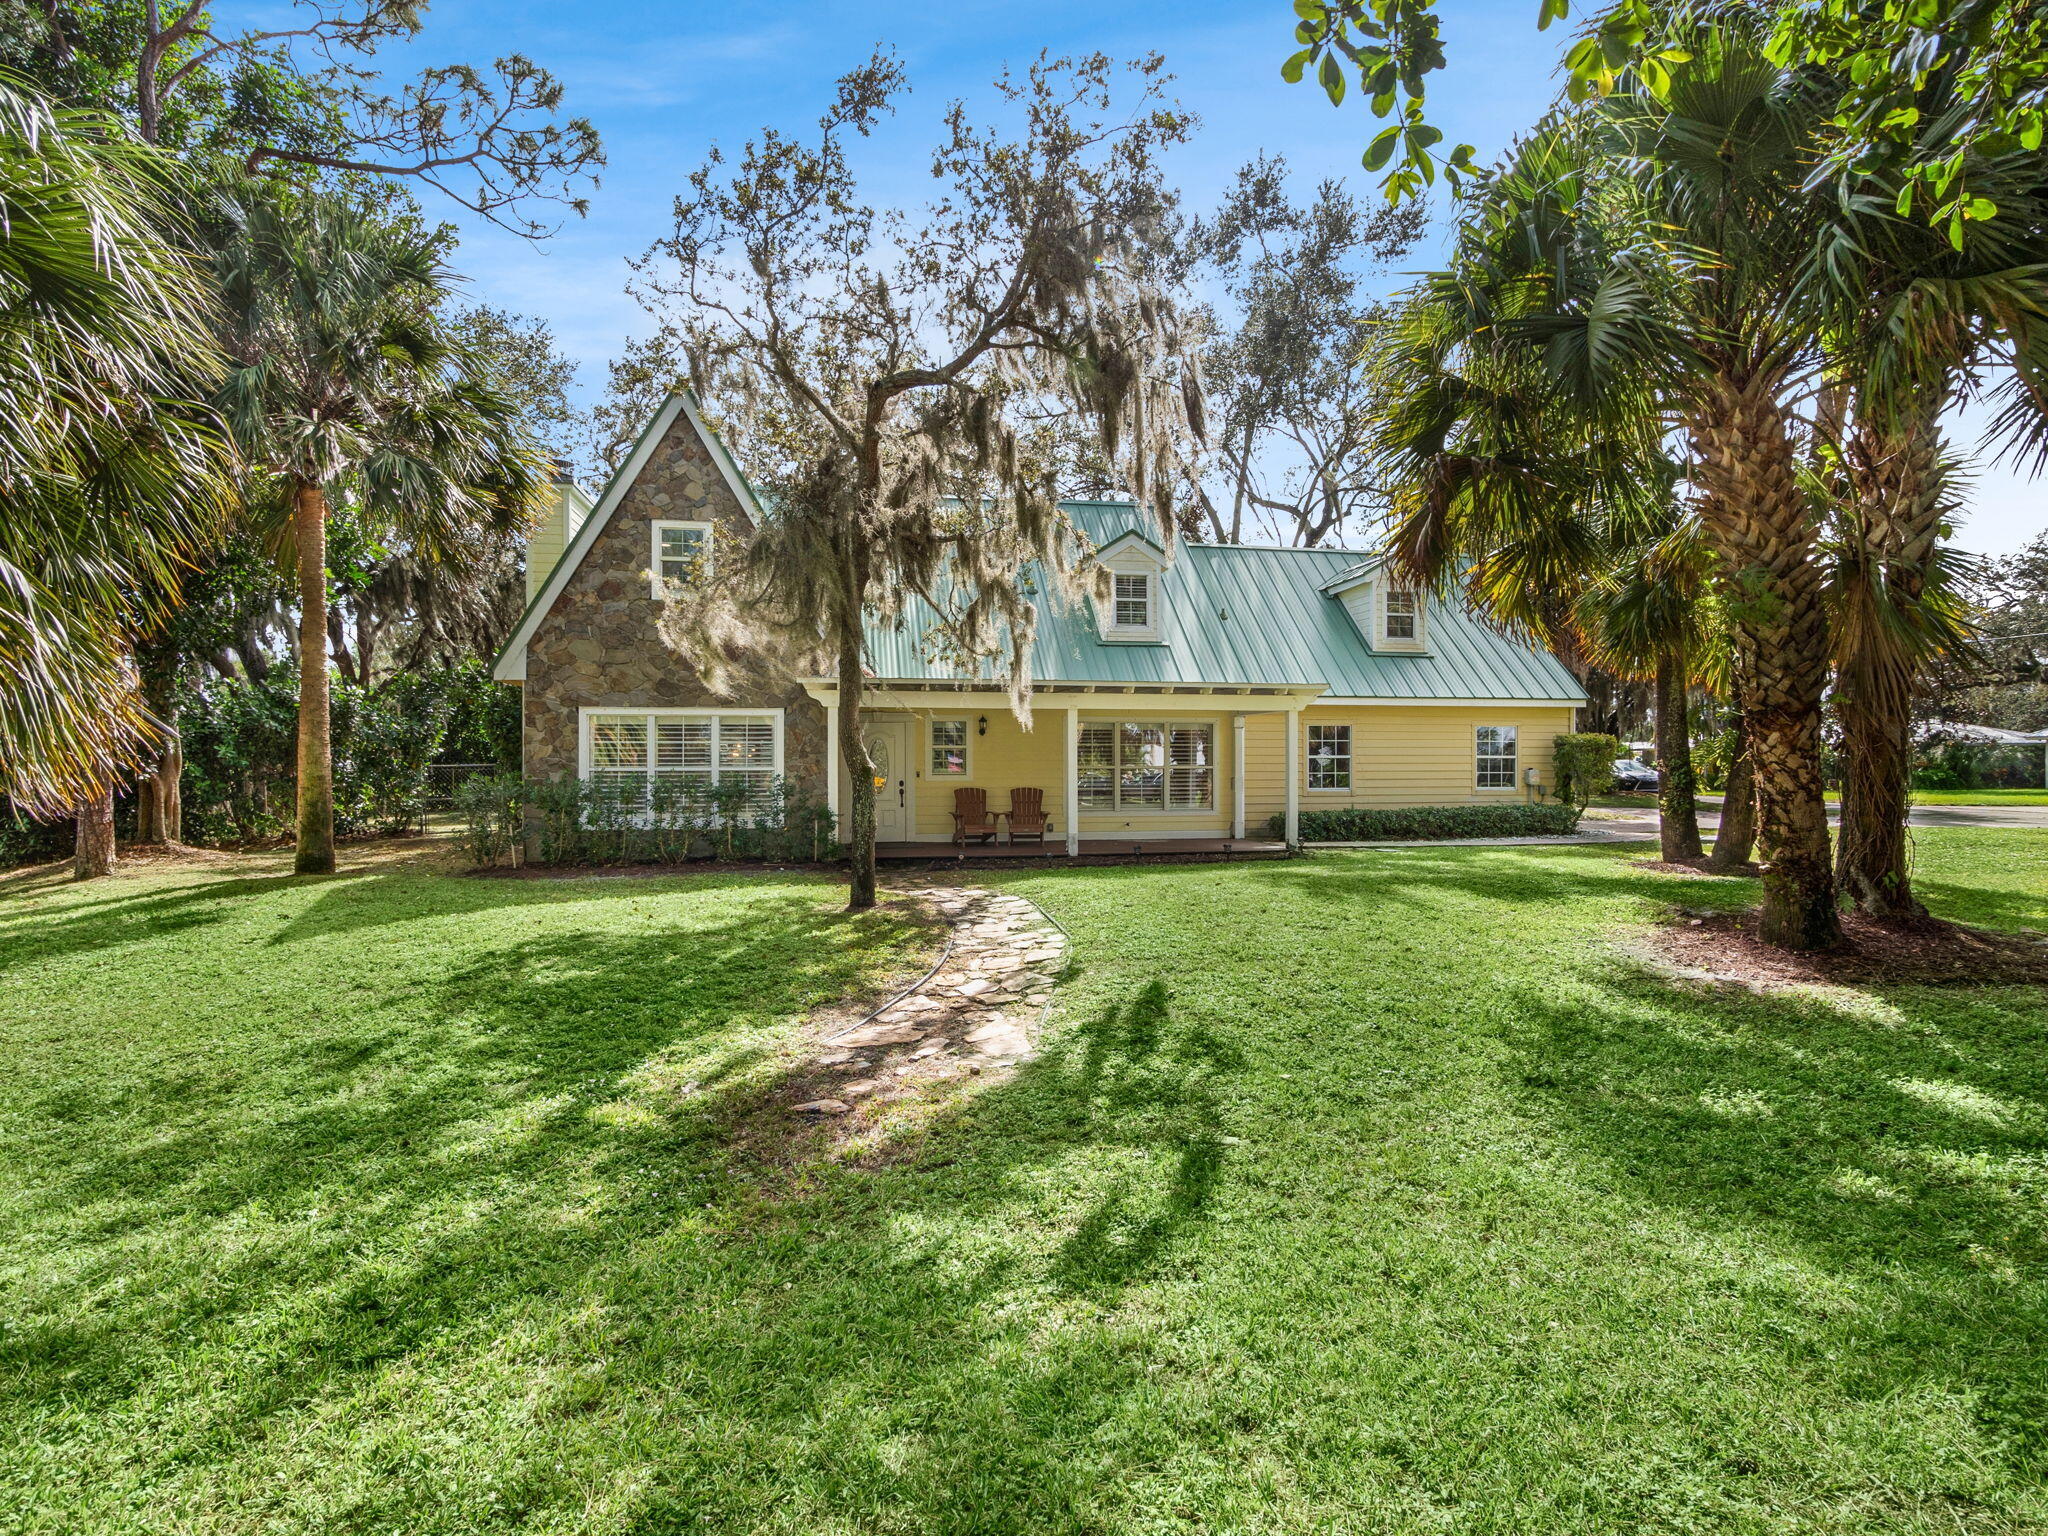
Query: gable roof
point(1229, 614)
point(1246, 614)
point(510, 664)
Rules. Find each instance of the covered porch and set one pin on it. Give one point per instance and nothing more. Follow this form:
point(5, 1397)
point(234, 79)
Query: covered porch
point(1105, 850)
point(1118, 771)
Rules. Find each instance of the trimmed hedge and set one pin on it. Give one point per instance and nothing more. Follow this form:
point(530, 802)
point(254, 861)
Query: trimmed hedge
point(1424, 822)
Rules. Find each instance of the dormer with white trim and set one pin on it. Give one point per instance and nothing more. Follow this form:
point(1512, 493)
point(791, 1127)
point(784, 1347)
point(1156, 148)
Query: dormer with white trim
point(1132, 612)
point(1392, 616)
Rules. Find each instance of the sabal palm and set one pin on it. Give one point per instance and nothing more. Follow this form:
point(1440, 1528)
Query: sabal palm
point(1658, 253)
point(1557, 515)
point(1915, 317)
point(342, 381)
point(110, 479)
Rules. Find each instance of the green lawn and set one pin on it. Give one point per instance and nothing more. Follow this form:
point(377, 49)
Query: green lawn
point(1977, 797)
point(1372, 1192)
point(1648, 802)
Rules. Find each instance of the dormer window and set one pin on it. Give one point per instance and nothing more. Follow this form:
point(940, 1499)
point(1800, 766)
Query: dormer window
point(1404, 611)
point(682, 556)
point(1133, 601)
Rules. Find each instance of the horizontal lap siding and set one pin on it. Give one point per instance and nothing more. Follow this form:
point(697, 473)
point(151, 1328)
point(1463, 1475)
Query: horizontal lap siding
point(1009, 757)
point(1400, 755)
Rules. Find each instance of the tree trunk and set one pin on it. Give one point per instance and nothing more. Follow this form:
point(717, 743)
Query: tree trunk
point(1677, 786)
point(93, 854)
point(1757, 514)
point(316, 756)
point(860, 770)
point(1736, 840)
point(159, 808)
point(1899, 487)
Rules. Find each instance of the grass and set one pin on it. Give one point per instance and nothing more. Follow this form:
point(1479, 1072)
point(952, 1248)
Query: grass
point(1648, 802)
point(1373, 1192)
point(1978, 797)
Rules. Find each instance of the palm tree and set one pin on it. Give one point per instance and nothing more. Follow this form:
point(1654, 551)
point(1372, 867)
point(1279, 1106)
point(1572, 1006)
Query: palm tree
point(1919, 316)
point(110, 477)
point(344, 382)
point(1558, 515)
point(1655, 246)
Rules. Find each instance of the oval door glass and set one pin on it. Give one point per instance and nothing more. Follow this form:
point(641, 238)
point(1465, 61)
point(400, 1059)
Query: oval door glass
point(878, 751)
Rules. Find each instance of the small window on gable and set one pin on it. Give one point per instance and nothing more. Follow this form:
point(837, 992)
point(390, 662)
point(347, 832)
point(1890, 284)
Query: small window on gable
point(682, 555)
point(1133, 601)
point(1404, 613)
point(949, 749)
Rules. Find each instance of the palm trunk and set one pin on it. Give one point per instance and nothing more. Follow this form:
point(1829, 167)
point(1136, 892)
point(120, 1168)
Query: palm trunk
point(1736, 839)
point(1756, 512)
point(1677, 786)
point(316, 754)
point(1899, 488)
point(93, 854)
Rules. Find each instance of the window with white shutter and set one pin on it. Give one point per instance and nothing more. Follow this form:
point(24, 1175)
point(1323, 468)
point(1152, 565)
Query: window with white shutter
point(1147, 765)
point(628, 752)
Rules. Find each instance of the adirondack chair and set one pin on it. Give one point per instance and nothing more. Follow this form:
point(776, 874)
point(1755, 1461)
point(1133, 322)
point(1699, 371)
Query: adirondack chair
point(1027, 814)
point(971, 817)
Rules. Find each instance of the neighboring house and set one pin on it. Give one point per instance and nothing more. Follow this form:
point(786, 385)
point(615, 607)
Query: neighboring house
point(1215, 687)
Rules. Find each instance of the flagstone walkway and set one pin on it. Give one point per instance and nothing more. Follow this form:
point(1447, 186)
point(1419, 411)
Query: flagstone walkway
point(979, 1011)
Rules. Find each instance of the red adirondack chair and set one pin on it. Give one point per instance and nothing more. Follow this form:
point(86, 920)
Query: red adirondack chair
point(971, 817)
point(1027, 814)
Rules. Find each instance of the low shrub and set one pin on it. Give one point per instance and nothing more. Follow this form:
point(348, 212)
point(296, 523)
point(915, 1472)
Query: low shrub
point(1426, 822)
point(494, 816)
point(1584, 766)
point(619, 821)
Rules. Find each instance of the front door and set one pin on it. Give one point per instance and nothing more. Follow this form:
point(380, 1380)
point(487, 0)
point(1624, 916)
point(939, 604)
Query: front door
point(889, 746)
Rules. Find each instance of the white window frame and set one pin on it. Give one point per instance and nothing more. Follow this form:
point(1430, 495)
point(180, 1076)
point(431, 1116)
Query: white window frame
point(1413, 615)
point(1308, 757)
point(933, 747)
point(657, 580)
point(1117, 621)
point(1117, 767)
point(1513, 755)
point(588, 716)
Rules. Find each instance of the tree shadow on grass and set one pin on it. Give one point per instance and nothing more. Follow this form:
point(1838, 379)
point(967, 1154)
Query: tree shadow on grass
point(1136, 1073)
point(561, 1195)
point(1895, 1137)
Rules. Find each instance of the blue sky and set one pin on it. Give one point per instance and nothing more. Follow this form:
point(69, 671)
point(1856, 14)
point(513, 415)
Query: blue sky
point(663, 82)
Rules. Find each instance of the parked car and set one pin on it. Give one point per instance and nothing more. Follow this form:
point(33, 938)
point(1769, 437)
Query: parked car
point(1632, 777)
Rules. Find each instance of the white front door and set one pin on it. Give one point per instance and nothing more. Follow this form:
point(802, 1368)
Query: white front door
point(889, 744)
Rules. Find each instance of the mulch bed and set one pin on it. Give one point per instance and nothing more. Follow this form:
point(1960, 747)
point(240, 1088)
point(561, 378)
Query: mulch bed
point(1724, 947)
point(1692, 867)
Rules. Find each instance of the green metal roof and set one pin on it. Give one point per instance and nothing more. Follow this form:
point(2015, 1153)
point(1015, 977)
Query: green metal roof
point(1242, 614)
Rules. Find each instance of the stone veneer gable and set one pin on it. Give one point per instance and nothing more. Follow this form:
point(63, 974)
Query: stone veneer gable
point(599, 646)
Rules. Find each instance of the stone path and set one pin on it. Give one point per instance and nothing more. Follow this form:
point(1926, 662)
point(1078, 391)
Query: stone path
point(979, 1012)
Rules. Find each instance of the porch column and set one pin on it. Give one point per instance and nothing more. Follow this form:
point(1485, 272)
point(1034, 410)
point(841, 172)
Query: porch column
point(1293, 718)
point(1073, 781)
point(832, 761)
point(1237, 775)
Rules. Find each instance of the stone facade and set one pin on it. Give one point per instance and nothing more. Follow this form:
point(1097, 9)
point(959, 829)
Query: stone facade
point(598, 645)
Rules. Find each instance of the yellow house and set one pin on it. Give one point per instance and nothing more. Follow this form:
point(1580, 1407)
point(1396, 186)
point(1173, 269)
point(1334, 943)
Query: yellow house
point(1216, 692)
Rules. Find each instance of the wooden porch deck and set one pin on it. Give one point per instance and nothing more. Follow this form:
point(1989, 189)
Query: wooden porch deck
point(1097, 849)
